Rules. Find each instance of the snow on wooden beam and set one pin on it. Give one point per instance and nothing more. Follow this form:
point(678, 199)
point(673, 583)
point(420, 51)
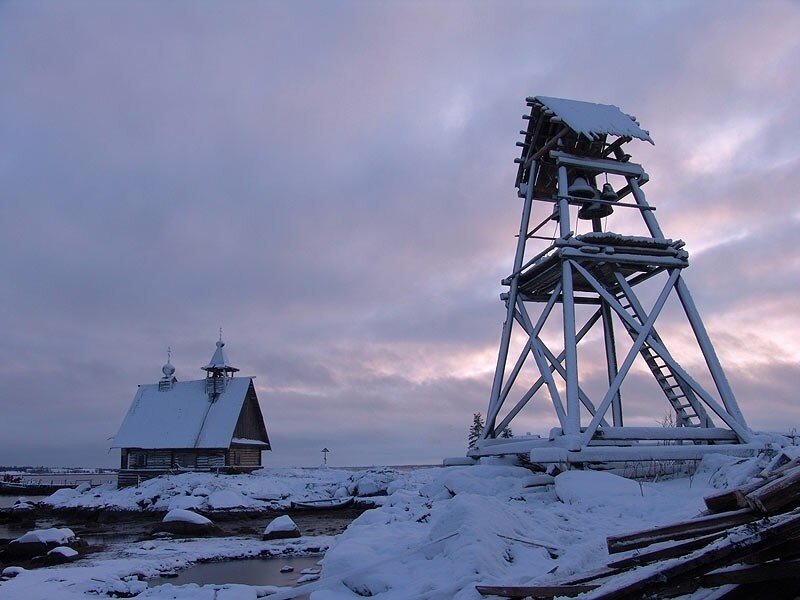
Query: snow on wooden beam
point(636, 453)
point(666, 433)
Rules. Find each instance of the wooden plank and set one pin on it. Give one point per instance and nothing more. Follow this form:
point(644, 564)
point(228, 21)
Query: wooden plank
point(733, 499)
point(539, 591)
point(778, 494)
point(672, 551)
point(674, 577)
point(679, 531)
point(781, 569)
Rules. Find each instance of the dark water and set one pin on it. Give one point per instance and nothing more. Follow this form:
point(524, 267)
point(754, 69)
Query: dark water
point(8, 501)
point(255, 571)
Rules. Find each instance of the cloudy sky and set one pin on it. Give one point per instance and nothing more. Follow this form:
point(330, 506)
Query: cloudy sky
point(332, 184)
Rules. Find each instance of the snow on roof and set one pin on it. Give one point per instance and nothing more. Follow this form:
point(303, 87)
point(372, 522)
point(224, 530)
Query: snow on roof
point(182, 417)
point(592, 119)
point(220, 359)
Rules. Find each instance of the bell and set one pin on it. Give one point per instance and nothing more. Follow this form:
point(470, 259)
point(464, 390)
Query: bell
point(580, 188)
point(597, 210)
point(594, 210)
point(608, 193)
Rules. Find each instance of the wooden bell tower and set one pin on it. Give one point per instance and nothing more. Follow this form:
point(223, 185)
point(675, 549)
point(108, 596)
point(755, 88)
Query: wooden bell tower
point(569, 149)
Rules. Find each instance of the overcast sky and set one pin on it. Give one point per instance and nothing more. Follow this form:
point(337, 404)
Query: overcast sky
point(332, 184)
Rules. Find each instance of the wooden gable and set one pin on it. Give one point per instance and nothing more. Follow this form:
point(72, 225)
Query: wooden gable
point(250, 425)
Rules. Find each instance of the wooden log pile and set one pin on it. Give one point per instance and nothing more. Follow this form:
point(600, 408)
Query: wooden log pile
point(746, 545)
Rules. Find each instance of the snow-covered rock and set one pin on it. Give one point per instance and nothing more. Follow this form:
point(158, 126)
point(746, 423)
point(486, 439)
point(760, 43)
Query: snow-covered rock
point(186, 502)
point(22, 504)
point(64, 551)
point(60, 555)
point(12, 571)
point(593, 488)
point(37, 543)
point(226, 499)
point(368, 487)
point(281, 528)
point(186, 516)
point(54, 535)
point(186, 522)
point(61, 496)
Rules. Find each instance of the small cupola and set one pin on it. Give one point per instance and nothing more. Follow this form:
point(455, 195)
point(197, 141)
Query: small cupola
point(169, 379)
point(218, 371)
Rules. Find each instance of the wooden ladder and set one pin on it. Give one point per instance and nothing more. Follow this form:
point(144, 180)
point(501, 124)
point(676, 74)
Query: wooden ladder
point(688, 410)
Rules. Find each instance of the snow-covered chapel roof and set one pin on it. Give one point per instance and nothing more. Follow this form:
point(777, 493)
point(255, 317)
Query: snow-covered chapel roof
point(183, 416)
point(591, 120)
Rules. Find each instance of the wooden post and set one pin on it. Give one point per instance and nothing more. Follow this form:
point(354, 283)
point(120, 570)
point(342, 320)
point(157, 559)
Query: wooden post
point(720, 380)
point(511, 303)
point(573, 424)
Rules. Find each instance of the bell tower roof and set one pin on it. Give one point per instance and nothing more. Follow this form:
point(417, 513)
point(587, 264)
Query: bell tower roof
point(219, 361)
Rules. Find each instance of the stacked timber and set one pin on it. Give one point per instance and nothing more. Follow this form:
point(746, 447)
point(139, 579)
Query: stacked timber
point(746, 545)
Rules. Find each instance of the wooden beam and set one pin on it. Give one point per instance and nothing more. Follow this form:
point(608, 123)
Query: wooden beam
point(674, 576)
point(600, 165)
point(538, 591)
point(680, 549)
point(679, 531)
point(777, 494)
point(781, 569)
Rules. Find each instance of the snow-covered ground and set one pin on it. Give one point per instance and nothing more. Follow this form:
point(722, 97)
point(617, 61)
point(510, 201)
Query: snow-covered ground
point(265, 489)
point(439, 532)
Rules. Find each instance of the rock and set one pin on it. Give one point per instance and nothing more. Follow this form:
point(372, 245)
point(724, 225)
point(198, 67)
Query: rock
point(369, 487)
point(12, 571)
point(54, 535)
point(281, 528)
point(287, 569)
point(225, 499)
point(186, 522)
point(180, 515)
point(37, 543)
point(60, 555)
point(307, 578)
point(60, 496)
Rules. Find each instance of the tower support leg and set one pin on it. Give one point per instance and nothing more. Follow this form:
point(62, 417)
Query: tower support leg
point(720, 380)
point(511, 307)
point(611, 362)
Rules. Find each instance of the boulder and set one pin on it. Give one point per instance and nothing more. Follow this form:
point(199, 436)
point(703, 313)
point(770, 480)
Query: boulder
point(60, 555)
point(23, 550)
point(10, 572)
point(281, 528)
point(37, 543)
point(186, 522)
point(226, 499)
point(367, 487)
